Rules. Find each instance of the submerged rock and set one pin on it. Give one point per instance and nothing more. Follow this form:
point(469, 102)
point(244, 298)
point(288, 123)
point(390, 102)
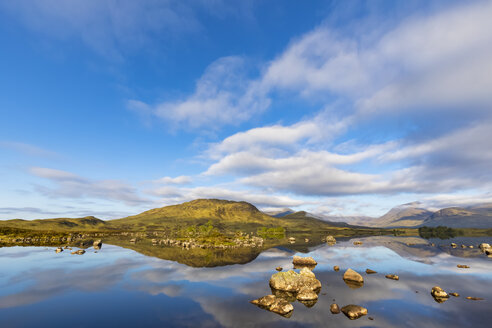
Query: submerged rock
point(463, 266)
point(474, 298)
point(369, 271)
point(440, 296)
point(353, 311)
point(292, 281)
point(392, 276)
point(334, 308)
point(274, 304)
point(307, 261)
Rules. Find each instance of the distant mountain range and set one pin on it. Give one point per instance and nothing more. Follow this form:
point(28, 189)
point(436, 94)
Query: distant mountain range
point(411, 215)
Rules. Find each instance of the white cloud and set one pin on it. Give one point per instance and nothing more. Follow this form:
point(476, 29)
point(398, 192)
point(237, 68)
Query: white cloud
point(222, 96)
point(182, 179)
point(27, 149)
point(173, 195)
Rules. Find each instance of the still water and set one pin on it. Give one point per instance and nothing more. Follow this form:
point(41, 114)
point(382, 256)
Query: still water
point(118, 287)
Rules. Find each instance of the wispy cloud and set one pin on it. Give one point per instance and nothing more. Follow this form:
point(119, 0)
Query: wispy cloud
point(27, 149)
point(223, 95)
point(70, 185)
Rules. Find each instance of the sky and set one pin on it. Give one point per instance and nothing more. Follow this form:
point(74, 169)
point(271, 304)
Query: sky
point(109, 108)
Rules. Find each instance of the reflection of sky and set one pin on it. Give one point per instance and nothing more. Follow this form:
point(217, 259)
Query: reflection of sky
point(116, 285)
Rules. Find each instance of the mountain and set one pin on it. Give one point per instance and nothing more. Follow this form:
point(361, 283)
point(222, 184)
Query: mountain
point(59, 224)
point(458, 217)
point(406, 215)
point(279, 213)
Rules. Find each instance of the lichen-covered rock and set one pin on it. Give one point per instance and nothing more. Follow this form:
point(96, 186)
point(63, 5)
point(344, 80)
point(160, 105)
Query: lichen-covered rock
point(308, 261)
point(274, 304)
point(352, 275)
point(306, 294)
point(306, 272)
point(353, 311)
point(292, 281)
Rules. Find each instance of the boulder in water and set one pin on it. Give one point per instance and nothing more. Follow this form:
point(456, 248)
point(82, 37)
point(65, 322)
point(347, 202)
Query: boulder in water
point(352, 275)
point(274, 304)
point(304, 261)
point(440, 296)
point(334, 308)
point(330, 240)
point(392, 276)
point(59, 250)
point(353, 311)
point(369, 271)
point(292, 281)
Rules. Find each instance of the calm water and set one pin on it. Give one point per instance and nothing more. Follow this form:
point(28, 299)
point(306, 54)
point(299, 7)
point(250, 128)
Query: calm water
point(120, 287)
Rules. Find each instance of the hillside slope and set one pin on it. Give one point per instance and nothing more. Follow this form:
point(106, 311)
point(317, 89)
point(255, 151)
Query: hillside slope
point(458, 217)
point(58, 224)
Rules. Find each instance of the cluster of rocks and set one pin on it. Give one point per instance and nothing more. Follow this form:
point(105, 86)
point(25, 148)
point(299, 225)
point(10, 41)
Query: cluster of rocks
point(191, 243)
point(440, 296)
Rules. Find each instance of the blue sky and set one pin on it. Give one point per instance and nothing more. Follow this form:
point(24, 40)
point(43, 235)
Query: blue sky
point(109, 108)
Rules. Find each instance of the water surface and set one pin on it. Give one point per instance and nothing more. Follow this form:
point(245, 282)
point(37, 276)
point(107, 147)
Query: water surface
point(120, 287)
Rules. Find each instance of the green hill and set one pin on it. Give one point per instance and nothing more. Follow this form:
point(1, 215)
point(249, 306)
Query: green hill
point(88, 223)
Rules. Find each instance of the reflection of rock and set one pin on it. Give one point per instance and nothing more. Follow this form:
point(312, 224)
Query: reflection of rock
point(454, 294)
point(351, 275)
point(288, 296)
point(306, 294)
point(474, 298)
point(463, 266)
point(274, 304)
point(354, 311)
point(330, 240)
point(336, 268)
point(59, 250)
point(440, 296)
point(292, 281)
point(79, 252)
point(334, 308)
point(304, 261)
point(369, 271)
point(392, 276)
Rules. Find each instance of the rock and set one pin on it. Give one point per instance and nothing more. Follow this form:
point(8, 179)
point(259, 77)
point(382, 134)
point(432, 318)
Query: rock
point(79, 252)
point(483, 246)
point(369, 271)
point(439, 294)
point(463, 266)
point(274, 304)
point(306, 240)
point(330, 240)
point(308, 261)
point(133, 240)
point(336, 268)
point(278, 268)
point(463, 246)
point(352, 275)
point(357, 242)
point(454, 294)
point(471, 246)
point(392, 276)
point(292, 281)
point(306, 294)
point(453, 245)
point(306, 272)
point(59, 250)
point(292, 240)
point(334, 308)
point(97, 244)
point(354, 311)
point(474, 298)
